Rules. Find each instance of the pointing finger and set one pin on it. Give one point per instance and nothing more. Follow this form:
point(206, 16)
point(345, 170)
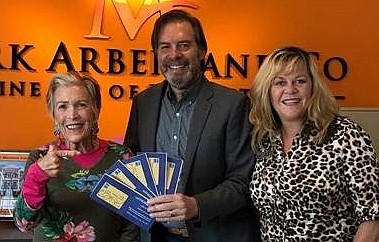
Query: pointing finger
point(67, 153)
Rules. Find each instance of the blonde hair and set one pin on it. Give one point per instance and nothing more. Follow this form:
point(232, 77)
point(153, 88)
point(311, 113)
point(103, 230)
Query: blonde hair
point(321, 108)
point(74, 79)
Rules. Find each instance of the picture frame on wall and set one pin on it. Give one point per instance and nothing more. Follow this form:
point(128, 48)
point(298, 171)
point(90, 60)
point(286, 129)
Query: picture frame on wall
point(12, 166)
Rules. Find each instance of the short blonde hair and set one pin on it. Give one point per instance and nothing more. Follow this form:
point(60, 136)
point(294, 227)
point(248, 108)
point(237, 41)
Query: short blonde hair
point(74, 79)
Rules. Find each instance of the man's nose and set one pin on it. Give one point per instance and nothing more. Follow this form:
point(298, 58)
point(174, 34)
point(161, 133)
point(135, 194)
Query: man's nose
point(175, 52)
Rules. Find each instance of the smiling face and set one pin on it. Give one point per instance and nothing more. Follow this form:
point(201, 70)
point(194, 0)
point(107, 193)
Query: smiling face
point(179, 56)
point(74, 115)
point(289, 94)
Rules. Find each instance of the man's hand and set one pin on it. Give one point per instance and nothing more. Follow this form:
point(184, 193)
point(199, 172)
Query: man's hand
point(173, 207)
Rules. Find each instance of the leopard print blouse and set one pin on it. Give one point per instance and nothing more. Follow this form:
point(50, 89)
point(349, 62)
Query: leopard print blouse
point(317, 192)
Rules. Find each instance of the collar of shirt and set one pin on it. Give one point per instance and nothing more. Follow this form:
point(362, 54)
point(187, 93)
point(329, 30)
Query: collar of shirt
point(189, 95)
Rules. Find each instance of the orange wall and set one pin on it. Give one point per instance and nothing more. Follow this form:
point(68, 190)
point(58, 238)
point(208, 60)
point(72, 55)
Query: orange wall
point(343, 28)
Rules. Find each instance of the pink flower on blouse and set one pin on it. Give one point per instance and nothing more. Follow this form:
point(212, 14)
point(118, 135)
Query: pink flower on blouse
point(23, 225)
point(83, 232)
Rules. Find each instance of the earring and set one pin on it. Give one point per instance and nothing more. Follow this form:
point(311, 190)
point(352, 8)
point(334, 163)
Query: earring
point(57, 131)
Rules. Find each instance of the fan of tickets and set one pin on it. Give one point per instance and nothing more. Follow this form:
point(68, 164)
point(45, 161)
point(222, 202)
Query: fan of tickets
point(127, 185)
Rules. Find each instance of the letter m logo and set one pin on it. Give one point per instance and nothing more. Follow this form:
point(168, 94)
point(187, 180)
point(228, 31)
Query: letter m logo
point(133, 22)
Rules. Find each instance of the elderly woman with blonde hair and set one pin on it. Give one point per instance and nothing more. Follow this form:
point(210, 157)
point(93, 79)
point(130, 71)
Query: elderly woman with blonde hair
point(54, 201)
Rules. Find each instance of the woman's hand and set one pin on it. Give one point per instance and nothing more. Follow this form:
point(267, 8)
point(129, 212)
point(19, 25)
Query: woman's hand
point(51, 163)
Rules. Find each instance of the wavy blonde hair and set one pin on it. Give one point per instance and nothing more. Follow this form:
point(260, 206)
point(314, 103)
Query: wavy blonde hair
point(321, 108)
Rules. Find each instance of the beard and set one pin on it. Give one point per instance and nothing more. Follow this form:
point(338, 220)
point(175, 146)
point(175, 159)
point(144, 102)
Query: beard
point(183, 77)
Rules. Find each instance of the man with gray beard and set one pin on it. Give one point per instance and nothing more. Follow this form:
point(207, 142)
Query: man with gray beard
point(204, 124)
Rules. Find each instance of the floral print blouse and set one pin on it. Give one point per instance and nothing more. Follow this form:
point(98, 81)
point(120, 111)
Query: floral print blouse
point(68, 213)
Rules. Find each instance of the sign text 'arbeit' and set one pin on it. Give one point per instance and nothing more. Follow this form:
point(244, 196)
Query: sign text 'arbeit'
point(115, 63)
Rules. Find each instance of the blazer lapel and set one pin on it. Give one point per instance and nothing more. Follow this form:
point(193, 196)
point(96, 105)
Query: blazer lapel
point(151, 116)
point(199, 118)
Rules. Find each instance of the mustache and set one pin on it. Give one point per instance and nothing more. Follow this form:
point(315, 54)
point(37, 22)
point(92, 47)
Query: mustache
point(167, 64)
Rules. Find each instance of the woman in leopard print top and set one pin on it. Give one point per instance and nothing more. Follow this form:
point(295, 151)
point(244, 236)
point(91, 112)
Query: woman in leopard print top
point(317, 174)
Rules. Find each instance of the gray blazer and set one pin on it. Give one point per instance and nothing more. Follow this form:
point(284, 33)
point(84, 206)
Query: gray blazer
point(218, 160)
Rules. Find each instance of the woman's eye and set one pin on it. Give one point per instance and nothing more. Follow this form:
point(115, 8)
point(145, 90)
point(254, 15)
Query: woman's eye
point(301, 81)
point(279, 83)
point(81, 105)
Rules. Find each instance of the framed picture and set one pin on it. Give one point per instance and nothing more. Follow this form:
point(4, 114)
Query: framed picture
point(12, 164)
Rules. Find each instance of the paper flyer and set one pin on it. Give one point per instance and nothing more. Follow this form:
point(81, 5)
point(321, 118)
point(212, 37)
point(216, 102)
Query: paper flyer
point(158, 164)
point(174, 169)
point(123, 200)
point(139, 166)
point(119, 171)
